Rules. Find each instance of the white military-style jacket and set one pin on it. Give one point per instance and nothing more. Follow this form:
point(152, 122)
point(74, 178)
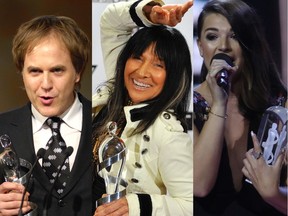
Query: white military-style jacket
point(159, 161)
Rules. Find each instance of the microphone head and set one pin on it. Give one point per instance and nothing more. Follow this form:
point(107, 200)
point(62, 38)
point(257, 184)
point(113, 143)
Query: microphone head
point(69, 150)
point(41, 152)
point(224, 57)
point(222, 77)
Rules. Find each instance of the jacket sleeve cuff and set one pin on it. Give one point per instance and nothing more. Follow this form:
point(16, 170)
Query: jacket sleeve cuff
point(137, 14)
point(139, 204)
point(145, 204)
point(133, 204)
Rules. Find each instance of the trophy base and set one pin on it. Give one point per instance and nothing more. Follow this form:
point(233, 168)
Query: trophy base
point(110, 197)
point(24, 180)
point(115, 196)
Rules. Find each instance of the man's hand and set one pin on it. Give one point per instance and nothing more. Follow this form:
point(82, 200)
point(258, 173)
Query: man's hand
point(10, 199)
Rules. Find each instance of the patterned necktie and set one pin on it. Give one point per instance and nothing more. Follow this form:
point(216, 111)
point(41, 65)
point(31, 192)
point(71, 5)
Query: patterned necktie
point(54, 156)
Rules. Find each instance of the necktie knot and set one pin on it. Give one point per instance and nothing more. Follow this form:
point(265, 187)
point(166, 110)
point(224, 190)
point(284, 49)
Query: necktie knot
point(54, 123)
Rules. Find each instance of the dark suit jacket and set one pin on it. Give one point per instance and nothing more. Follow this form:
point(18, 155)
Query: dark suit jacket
point(77, 196)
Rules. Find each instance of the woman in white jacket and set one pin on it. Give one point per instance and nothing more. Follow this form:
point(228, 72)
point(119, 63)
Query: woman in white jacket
point(148, 98)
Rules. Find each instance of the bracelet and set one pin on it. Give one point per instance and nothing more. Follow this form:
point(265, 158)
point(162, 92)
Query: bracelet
point(224, 117)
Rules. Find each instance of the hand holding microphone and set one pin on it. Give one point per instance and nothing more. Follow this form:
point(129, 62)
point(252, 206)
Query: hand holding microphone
point(222, 76)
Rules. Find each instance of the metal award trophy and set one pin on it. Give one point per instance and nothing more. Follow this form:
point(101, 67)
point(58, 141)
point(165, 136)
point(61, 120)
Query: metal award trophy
point(112, 155)
point(15, 169)
point(272, 133)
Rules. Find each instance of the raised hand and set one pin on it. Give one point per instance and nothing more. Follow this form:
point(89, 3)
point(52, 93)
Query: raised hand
point(170, 14)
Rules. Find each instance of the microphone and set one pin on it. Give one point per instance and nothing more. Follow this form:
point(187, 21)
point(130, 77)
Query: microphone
point(68, 151)
point(40, 154)
point(222, 77)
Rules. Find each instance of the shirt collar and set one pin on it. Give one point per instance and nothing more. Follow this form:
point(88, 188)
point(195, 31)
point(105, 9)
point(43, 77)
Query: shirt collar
point(129, 111)
point(71, 117)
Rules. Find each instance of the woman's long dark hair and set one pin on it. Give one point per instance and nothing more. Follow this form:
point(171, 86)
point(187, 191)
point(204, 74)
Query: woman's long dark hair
point(258, 81)
point(172, 49)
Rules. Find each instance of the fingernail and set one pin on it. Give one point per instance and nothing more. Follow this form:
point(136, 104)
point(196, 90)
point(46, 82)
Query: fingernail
point(252, 133)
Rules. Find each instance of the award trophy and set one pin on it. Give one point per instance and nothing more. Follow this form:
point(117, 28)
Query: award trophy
point(112, 155)
point(15, 169)
point(272, 133)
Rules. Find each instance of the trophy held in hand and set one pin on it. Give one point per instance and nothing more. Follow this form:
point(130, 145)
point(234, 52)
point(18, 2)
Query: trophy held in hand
point(15, 169)
point(112, 155)
point(272, 133)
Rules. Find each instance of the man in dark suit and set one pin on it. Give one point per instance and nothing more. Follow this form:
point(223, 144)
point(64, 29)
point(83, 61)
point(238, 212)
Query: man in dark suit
point(51, 53)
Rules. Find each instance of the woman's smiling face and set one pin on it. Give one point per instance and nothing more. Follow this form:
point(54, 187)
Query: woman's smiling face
point(144, 76)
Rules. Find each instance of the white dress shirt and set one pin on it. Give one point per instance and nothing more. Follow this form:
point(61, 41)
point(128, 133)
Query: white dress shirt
point(70, 128)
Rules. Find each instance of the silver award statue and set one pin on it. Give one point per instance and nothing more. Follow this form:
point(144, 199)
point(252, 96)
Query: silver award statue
point(15, 169)
point(272, 133)
point(112, 155)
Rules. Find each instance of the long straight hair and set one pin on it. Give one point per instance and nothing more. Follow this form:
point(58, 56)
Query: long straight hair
point(258, 82)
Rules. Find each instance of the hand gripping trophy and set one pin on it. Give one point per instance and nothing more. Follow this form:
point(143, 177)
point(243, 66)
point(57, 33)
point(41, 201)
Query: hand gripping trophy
point(15, 169)
point(112, 155)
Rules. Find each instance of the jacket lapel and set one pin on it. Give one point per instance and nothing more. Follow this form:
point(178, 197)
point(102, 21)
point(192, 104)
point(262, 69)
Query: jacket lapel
point(84, 155)
point(21, 133)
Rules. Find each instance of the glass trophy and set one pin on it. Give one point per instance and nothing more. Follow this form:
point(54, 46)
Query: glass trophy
point(9, 160)
point(112, 155)
point(15, 169)
point(272, 133)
